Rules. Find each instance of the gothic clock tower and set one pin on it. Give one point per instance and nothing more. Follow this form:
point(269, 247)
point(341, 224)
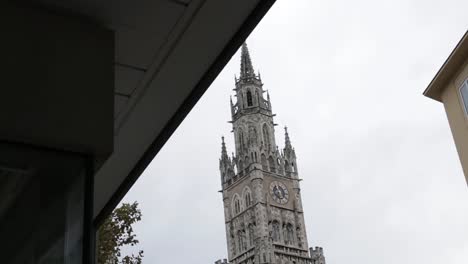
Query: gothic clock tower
point(260, 184)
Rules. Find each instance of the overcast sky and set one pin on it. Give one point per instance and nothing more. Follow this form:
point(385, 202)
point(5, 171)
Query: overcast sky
point(382, 180)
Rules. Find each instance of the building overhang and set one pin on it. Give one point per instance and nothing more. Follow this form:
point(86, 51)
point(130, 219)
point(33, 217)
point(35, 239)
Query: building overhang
point(199, 44)
point(450, 67)
point(166, 53)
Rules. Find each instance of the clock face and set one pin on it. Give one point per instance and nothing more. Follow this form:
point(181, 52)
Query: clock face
point(279, 192)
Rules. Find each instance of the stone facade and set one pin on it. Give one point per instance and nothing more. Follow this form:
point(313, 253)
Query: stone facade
point(316, 254)
point(260, 183)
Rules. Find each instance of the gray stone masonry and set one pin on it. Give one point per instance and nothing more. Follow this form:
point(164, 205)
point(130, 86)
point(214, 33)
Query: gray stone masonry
point(260, 183)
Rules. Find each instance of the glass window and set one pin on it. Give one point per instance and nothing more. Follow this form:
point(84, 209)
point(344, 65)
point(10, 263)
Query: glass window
point(464, 94)
point(249, 98)
point(42, 206)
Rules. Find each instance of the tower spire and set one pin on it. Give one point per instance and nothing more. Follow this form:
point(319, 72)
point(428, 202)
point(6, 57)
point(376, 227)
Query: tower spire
point(246, 70)
point(289, 155)
point(259, 179)
point(287, 141)
point(225, 163)
point(224, 154)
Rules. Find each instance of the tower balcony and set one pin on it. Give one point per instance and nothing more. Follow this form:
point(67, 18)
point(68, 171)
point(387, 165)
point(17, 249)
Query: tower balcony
point(248, 80)
point(246, 172)
point(283, 251)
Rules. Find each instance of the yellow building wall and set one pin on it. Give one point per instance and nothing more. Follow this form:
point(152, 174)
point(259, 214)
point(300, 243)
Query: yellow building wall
point(456, 115)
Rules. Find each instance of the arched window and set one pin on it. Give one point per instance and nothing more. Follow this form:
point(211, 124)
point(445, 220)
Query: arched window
point(253, 139)
point(249, 98)
point(236, 205)
point(233, 243)
point(241, 241)
point(247, 196)
point(264, 162)
point(271, 164)
point(242, 100)
point(298, 232)
point(266, 137)
point(289, 234)
point(248, 199)
point(241, 139)
point(244, 240)
point(251, 235)
point(275, 231)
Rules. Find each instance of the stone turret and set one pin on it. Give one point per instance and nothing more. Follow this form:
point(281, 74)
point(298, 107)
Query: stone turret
point(226, 166)
point(223, 261)
point(289, 156)
point(316, 254)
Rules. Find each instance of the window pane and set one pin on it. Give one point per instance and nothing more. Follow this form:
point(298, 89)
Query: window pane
point(464, 94)
point(41, 206)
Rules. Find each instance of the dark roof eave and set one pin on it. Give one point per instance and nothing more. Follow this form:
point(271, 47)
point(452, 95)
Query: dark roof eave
point(236, 41)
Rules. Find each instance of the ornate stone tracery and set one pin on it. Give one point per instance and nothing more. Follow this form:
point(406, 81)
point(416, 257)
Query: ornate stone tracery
point(262, 225)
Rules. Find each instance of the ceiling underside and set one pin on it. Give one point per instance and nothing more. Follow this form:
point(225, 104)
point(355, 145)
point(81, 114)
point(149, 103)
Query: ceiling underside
point(163, 48)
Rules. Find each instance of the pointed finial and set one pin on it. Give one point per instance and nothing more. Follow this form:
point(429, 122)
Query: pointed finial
point(246, 70)
point(287, 144)
point(223, 148)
